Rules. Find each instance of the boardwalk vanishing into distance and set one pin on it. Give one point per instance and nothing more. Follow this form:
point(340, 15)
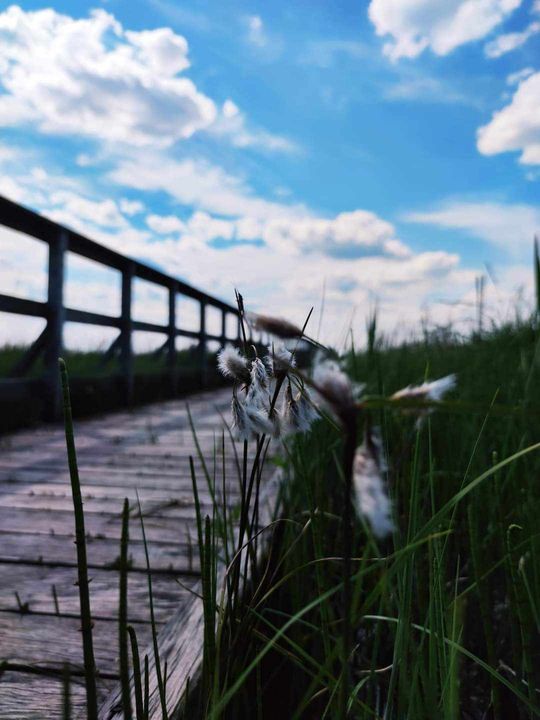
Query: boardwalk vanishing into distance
point(34, 377)
point(145, 452)
point(142, 451)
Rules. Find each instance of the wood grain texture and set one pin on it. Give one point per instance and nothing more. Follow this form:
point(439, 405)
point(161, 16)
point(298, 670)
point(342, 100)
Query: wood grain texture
point(25, 696)
point(34, 586)
point(58, 551)
point(181, 639)
point(146, 452)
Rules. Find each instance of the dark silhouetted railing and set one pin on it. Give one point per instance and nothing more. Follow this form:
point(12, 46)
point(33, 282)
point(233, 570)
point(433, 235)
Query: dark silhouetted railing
point(49, 345)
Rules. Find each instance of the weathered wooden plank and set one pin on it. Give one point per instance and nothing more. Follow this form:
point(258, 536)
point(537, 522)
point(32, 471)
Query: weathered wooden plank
point(170, 416)
point(120, 487)
point(111, 491)
point(27, 548)
point(51, 641)
point(96, 460)
point(24, 696)
point(34, 586)
point(181, 639)
point(133, 429)
point(144, 447)
point(147, 451)
point(178, 507)
point(151, 440)
point(57, 522)
point(126, 429)
point(139, 477)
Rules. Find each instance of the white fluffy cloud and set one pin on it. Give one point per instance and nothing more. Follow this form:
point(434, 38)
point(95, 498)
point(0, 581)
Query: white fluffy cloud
point(352, 234)
point(256, 34)
point(510, 226)
point(197, 183)
point(289, 228)
point(440, 25)
point(273, 281)
point(516, 77)
point(11, 189)
point(91, 77)
point(71, 209)
point(165, 224)
point(231, 123)
point(131, 207)
point(510, 41)
point(517, 125)
point(357, 255)
point(205, 228)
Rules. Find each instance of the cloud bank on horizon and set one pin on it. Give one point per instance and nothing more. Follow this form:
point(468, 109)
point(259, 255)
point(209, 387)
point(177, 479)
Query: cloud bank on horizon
point(378, 157)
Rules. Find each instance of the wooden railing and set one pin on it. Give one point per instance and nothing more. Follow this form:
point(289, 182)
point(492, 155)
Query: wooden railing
point(49, 345)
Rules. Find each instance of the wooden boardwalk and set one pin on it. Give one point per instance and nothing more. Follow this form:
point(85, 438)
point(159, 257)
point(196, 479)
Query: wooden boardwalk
point(145, 451)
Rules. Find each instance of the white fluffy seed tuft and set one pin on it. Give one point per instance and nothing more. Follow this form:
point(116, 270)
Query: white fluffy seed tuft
point(279, 360)
point(241, 423)
point(430, 390)
point(371, 499)
point(333, 384)
point(232, 364)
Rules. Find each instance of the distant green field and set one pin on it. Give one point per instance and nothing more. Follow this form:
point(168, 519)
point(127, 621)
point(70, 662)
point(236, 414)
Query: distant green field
point(97, 386)
point(86, 364)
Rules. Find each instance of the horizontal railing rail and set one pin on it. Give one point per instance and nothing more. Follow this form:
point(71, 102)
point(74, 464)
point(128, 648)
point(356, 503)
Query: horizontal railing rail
point(49, 344)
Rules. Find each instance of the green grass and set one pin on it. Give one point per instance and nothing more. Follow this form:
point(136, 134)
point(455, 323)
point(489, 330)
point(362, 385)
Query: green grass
point(444, 614)
point(91, 363)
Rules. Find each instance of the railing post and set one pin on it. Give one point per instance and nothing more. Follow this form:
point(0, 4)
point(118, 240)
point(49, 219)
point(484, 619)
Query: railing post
point(202, 345)
point(126, 348)
point(171, 340)
point(55, 324)
point(239, 332)
point(223, 328)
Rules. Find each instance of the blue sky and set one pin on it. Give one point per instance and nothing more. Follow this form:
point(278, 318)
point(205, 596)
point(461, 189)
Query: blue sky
point(383, 151)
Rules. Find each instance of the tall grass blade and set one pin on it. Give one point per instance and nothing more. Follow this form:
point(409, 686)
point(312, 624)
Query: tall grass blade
point(123, 614)
point(537, 275)
point(80, 541)
point(139, 709)
point(66, 693)
point(159, 676)
point(55, 600)
point(146, 707)
point(478, 661)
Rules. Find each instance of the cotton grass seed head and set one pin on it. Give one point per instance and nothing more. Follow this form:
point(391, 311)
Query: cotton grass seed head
point(249, 420)
point(433, 390)
point(298, 411)
point(307, 411)
point(240, 421)
point(291, 413)
point(279, 360)
point(274, 326)
point(370, 497)
point(259, 421)
point(334, 385)
point(258, 394)
point(232, 364)
point(277, 422)
point(259, 374)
